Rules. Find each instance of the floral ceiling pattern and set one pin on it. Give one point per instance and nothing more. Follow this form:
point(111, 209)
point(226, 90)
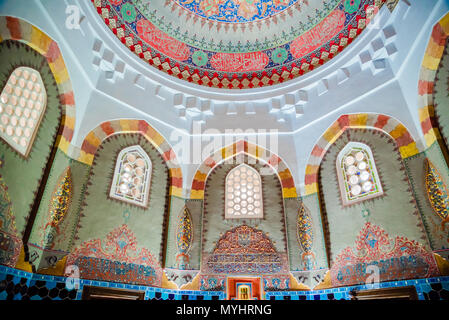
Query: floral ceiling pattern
point(237, 43)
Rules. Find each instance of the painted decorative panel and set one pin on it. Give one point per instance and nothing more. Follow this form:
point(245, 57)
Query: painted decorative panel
point(184, 237)
point(395, 259)
point(357, 174)
point(117, 260)
point(244, 250)
point(305, 237)
point(10, 243)
point(58, 208)
point(437, 193)
point(243, 193)
point(132, 176)
point(22, 104)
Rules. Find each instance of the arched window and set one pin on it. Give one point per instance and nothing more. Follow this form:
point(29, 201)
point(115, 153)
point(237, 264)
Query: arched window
point(243, 196)
point(22, 104)
point(357, 174)
point(132, 176)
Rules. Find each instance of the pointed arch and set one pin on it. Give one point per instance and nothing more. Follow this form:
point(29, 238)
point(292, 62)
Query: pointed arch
point(407, 145)
point(21, 30)
point(94, 139)
point(242, 146)
point(431, 62)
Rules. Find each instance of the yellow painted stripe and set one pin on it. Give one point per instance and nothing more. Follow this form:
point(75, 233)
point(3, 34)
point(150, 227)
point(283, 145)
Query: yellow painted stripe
point(430, 138)
point(158, 139)
point(444, 23)
point(285, 174)
point(40, 40)
point(124, 125)
point(289, 193)
point(432, 63)
point(200, 176)
point(311, 169)
point(86, 157)
point(433, 49)
point(399, 131)
point(409, 150)
point(63, 144)
point(311, 188)
point(332, 133)
point(358, 120)
point(176, 172)
point(197, 194)
point(61, 75)
point(93, 140)
point(175, 191)
point(69, 122)
point(423, 113)
point(133, 125)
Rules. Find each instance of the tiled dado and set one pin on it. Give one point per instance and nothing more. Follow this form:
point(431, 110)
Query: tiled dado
point(21, 285)
point(427, 289)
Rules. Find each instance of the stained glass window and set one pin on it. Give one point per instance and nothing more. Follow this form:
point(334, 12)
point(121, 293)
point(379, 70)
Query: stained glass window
point(357, 173)
point(22, 104)
point(243, 193)
point(132, 176)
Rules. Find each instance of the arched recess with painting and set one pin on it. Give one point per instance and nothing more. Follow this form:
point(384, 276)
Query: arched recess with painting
point(131, 174)
point(434, 118)
point(371, 200)
point(243, 191)
point(37, 119)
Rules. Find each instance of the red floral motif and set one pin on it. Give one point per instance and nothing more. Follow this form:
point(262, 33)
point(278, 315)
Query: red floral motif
point(397, 258)
point(244, 250)
point(121, 246)
point(238, 62)
point(244, 239)
point(315, 37)
point(161, 41)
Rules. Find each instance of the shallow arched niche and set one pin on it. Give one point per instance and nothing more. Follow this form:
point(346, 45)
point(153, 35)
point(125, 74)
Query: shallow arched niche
point(102, 215)
point(214, 221)
point(395, 210)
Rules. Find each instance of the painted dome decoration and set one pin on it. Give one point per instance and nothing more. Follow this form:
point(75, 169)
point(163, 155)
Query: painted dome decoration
point(236, 44)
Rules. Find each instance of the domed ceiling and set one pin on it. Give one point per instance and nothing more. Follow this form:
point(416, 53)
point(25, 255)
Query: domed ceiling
point(236, 44)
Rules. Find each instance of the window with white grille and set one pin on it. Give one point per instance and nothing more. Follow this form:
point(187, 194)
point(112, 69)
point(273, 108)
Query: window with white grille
point(243, 194)
point(22, 104)
point(357, 173)
point(132, 176)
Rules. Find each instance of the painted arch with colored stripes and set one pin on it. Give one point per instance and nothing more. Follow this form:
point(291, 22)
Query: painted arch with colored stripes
point(94, 139)
point(431, 62)
point(12, 28)
point(245, 147)
point(406, 144)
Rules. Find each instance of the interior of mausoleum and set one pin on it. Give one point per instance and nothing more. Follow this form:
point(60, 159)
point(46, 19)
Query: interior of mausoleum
point(224, 149)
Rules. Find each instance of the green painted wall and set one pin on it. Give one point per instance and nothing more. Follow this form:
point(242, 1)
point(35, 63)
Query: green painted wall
point(214, 224)
point(67, 228)
point(100, 214)
point(396, 211)
point(23, 176)
point(438, 238)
